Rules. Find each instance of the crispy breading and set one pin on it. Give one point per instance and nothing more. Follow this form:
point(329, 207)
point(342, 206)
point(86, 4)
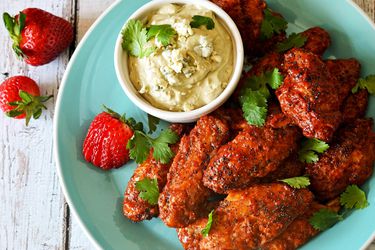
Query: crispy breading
point(318, 40)
point(309, 95)
point(349, 160)
point(184, 196)
point(248, 16)
point(249, 218)
point(252, 154)
point(134, 207)
point(355, 106)
point(347, 72)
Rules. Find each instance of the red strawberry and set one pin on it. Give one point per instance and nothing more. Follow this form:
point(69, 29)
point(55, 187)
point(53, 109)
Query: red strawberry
point(38, 36)
point(20, 98)
point(106, 139)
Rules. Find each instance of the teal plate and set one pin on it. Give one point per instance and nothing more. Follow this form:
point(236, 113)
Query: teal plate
point(95, 196)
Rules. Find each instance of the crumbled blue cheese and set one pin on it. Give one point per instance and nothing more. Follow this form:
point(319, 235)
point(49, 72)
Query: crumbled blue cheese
point(205, 47)
point(169, 75)
point(182, 27)
point(174, 58)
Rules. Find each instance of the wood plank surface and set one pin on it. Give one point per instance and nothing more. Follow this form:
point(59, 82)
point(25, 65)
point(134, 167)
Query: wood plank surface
point(33, 212)
point(32, 204)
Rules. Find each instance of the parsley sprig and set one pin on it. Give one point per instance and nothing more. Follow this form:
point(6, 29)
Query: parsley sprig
point(310, 149)
point(365, 83)
point(206, 230)
point(254, 96)
point(202, 21)
point(140, 145)
point(293, 41)
point(352, 197)
point(149, 190)
point(297, 182)
point(272, 25)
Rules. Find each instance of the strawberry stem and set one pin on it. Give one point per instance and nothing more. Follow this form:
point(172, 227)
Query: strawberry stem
point(30, 105)
point(15, 27)
point(131, 122)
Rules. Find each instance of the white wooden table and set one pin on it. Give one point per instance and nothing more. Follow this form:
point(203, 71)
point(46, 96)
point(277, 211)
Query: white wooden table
point(33, 211)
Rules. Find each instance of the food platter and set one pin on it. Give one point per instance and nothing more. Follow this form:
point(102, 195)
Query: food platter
point(95, 197)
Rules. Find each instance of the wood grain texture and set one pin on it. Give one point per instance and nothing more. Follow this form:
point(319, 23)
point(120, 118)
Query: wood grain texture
point(32, 214)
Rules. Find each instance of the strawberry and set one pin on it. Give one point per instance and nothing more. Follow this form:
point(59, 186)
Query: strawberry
point(38, 36)
point(106, 139)
point(20, 98)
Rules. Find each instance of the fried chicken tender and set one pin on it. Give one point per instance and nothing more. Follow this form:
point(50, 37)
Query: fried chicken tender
point(318, 40)
point(298, 232)
point(309, 95)
point(248, 16)
point(267, 63)
point(237, 122)
point(184, 195)
point(252, 154)
point(249, 218)
point(347, 72)
point(355, 106)
point(349, 160)
point(290, 167)
point(135, 208)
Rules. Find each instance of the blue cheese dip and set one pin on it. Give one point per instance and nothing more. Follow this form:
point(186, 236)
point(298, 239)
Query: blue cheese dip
point(191, 71)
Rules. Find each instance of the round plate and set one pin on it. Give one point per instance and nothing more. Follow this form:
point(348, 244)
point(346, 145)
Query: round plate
point(95, 196)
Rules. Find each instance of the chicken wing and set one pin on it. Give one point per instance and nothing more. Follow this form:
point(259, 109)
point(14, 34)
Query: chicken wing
point(347, 73)
point(253, 154)
point(249, 218)
point(248, 16)
point(290, 167)
point(318, 40)
point(309, 95)
point(349, 160)
point(184, 195)
point(298, 232)
point(134, 207)
point(355, 106)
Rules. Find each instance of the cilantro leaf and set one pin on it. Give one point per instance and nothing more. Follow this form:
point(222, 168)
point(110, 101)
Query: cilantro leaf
point(152, 123)
point(206, 230)
point(274, 78)
point(353, 197)
point(254, 106)
point(254, 96)
point(272, 24)
point(135, 39)
point(308, 156)
point(324, 219)
point(366, 83)
point(139, 147)
point(310, 148)
point(149, 190)
point(162, 152)
point(297, 182)
point(164, 33)
point(293, 41)
point(202, 20)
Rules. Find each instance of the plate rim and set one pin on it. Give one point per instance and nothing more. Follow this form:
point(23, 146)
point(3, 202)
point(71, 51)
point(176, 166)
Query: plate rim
point(56, 119)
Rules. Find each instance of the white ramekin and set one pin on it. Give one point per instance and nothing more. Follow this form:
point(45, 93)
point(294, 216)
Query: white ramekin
point(121, 65)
